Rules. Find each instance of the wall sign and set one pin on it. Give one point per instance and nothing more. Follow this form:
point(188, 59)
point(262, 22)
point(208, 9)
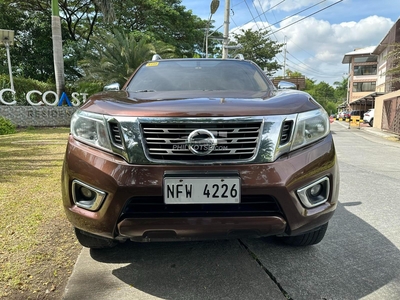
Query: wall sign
point(57, 102)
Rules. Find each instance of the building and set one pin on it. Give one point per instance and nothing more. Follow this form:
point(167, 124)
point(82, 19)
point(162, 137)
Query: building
point(369, 84)
point(363, 77)
point(385, 81)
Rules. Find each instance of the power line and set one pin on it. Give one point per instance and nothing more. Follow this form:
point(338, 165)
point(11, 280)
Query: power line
point(295, 14)
point(311, 69)
point(263, 13)
point(305, 17)
point(253, 19)
point(302, 69)
point(251, 14)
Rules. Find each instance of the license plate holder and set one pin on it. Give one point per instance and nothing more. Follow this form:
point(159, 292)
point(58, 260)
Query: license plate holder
point(201, 189)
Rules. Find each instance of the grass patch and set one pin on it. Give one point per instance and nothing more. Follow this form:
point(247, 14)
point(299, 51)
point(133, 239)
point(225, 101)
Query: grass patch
point(38, 248)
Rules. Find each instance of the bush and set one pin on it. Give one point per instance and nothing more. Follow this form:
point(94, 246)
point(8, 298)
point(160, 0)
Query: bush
point(22, 86)
point(90, 87)
point(6, 126)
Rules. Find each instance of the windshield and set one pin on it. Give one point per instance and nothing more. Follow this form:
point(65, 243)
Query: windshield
point(198, 75)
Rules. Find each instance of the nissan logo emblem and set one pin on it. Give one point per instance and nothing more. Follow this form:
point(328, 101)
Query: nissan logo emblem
point(201, 142)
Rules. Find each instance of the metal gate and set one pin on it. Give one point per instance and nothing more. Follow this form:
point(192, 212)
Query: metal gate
point(391, 115)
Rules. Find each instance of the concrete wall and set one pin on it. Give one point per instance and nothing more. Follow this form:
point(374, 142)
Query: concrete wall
point(38, 115)
point(379, 107)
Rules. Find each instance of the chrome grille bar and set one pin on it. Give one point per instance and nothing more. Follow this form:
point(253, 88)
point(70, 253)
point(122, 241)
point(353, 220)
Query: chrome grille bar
point(168, 141)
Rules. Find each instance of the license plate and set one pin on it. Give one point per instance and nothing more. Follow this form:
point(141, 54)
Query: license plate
point(194, 190)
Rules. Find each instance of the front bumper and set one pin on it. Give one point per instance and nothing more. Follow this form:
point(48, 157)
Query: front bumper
point(133, 207)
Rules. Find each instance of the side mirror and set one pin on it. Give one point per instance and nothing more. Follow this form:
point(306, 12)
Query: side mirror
point(112, 87)
point(285, 85)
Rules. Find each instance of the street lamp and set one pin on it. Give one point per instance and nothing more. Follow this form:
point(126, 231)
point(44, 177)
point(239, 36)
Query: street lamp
point(213, 8)
point(7, 39)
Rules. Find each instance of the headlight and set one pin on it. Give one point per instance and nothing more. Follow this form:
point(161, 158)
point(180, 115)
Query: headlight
point(91, 129)
point(310, 127)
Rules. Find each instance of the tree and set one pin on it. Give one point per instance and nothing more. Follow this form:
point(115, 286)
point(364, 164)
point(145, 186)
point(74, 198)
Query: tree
point(162, 20)
point(324, 94)
point(291, 74)
point(341, 89)
point(159, 20)
point(259, 48)
point(57, 40)
point(115, 56)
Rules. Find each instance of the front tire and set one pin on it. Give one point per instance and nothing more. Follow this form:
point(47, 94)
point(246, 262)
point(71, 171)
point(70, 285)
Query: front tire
point(92, 241)
point(306, 239)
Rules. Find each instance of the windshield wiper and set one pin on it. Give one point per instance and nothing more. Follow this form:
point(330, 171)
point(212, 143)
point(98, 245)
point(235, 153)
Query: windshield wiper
point(144, 91)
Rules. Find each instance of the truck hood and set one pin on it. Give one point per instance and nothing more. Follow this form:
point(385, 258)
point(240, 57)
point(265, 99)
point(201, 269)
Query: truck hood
point(199, 103)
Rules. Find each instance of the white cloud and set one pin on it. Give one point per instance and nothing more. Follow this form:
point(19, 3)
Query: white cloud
point(317, 47)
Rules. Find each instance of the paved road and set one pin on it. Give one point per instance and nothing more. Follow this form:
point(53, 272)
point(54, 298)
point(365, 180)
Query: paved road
point(358, 259)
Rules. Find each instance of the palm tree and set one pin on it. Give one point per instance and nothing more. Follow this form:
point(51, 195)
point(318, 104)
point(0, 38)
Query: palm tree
point(107, 10)
point(115, 56)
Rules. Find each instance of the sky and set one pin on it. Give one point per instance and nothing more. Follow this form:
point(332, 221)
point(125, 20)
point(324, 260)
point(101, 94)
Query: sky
point(317, 44)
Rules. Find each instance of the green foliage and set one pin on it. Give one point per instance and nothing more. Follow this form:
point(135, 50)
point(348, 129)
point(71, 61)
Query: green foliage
point(6, 126)
point(258, 47)
point(115, 57)
point(324, 94)
point(87, 86)
point(164, 20)
point(22, 86)
point(330, 107)
point(341, 89)
point(32, 54)
point(164, 26)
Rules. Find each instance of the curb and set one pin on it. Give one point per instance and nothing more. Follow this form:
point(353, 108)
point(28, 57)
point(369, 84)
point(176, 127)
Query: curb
point(371, 130)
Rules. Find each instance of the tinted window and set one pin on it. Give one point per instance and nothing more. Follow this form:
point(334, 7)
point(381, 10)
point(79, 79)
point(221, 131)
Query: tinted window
point(364, 70)
point(364, 59)
point(204, 75)
point(364, 86)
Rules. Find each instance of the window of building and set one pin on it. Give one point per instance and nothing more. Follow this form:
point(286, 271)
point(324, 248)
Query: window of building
point(363, 59)
point(365, 70)
point(364, 86)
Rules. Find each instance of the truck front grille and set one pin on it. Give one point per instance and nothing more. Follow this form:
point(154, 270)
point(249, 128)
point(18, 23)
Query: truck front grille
point(169, 141)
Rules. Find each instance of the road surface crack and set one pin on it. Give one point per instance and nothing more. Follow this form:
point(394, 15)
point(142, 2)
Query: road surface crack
point(273, 278)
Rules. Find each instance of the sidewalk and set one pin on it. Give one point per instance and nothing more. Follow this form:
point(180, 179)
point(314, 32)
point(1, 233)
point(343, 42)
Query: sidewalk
point(370, 130)
point(379, 132)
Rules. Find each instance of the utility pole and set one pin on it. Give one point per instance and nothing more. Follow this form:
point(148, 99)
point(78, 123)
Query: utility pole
point(226, 29)
point(284, 58)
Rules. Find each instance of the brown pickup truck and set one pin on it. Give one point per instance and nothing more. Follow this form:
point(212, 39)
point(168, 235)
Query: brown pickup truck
point(194, 149)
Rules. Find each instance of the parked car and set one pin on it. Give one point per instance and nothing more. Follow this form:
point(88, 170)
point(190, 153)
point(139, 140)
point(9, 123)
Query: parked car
point(369, 117)
point(344, 115)
point(197, 149)
point(359, 113)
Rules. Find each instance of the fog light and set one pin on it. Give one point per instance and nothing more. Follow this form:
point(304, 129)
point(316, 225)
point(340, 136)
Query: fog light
point(315, 193)
point(86, 196)
point(86, 193)
point(316, 190)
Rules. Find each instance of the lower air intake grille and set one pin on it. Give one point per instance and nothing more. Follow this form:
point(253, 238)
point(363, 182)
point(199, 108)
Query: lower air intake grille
point(251, 205)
